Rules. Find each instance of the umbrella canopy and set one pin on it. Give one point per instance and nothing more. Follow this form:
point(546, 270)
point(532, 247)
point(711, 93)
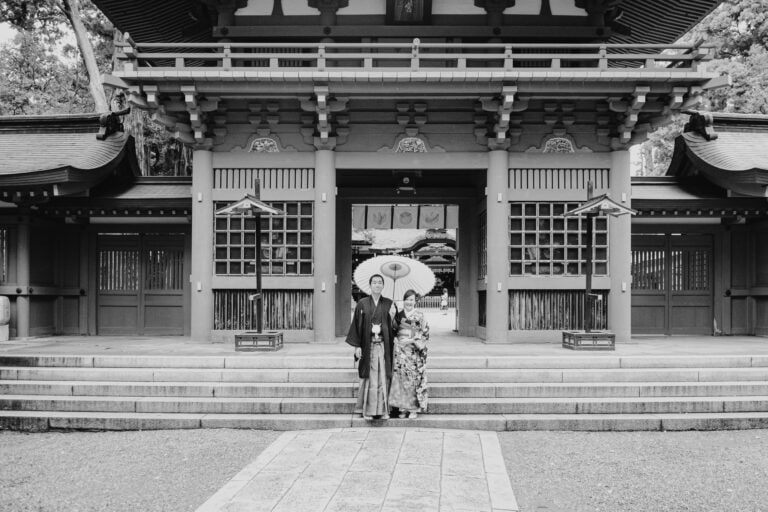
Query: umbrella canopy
point(400, 274)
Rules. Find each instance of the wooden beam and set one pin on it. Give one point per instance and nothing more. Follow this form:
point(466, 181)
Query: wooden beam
point(526, 33)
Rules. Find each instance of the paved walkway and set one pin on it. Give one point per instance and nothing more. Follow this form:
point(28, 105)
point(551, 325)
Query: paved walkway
point(370, 469)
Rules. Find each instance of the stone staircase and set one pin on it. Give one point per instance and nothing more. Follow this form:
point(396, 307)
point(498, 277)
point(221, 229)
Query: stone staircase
point(270, 391)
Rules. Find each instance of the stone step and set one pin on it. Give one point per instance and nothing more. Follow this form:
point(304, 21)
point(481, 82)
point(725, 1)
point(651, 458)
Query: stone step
point(45, 420)
point(281, 361)
point(347, 389)
point(350, 375)
point(458, 406)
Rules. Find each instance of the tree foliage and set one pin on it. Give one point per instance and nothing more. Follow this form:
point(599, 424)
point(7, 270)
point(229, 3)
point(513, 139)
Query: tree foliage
point(738, 32)
point(34, 80)
point(51, 19)
point(40, 75)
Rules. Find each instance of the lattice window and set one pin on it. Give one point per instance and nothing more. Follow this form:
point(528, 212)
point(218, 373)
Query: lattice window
point(164, 269)
point(118, 270)
point(649, 269)
point(286, 242)
point(483, 246)
point(543, 242)
point(691, 270)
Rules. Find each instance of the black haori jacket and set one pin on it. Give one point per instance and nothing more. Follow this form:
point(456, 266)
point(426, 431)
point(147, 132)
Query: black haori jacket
point(360, 335)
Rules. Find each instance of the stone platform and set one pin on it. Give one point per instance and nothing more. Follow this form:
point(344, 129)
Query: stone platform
point(169, 383)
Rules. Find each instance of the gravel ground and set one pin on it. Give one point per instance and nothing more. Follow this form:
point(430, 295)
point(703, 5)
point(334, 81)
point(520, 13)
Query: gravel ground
point(172, 471)
point(162, 470)
point(638, 471)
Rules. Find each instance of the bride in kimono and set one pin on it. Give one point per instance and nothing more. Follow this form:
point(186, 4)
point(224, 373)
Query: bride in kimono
point(408, 391)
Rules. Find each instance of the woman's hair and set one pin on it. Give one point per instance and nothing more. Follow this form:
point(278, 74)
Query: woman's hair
point(408, 293)
point(445, 290)
point(375, 276)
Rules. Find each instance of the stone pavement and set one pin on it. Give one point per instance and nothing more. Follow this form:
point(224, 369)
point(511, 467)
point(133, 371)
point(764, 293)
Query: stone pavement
point(367, 469)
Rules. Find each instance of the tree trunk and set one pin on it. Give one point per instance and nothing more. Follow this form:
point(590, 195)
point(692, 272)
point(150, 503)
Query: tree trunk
point(72, 11)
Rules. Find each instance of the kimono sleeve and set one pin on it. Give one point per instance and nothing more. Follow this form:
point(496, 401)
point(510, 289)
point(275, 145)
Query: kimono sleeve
point(355, 328)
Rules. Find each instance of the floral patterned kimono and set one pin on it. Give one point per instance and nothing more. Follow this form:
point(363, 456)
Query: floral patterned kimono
point(408, 391)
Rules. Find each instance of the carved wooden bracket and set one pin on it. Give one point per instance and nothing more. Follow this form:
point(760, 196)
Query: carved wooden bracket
point(323, 105)
point(503, 106)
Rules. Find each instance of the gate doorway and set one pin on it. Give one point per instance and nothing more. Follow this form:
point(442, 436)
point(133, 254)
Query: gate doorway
point(141, 285)
point(672, 282)
point(425, 232)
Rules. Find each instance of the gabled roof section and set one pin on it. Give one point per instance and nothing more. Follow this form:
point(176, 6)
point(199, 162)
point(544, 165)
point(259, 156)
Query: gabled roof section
point(650, 21)
point(660, 21)
point(160, 21)
point(46, 156)
point(728, 149)
point(600, 204)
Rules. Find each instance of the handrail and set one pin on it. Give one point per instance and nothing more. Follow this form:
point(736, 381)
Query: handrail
point(413, 56)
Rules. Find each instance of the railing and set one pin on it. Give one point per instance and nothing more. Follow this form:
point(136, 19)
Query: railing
point(413, 56)
point(433, 302)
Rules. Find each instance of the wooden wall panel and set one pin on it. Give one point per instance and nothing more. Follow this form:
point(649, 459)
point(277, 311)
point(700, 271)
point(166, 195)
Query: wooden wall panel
point(740, 259)
point(270, 179)
point(761, 258)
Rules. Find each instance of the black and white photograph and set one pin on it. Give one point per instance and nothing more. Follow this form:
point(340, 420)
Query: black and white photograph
point(383, 256)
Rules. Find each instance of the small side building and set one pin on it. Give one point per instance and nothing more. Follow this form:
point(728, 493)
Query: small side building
point(700, 239)
point(87, 246)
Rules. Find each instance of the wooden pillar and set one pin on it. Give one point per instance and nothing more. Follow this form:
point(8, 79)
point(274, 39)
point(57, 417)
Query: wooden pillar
point(202, 246)
point(22, 277)
point(324, 303)
point(620, 250)
point(497, 221)
point(343, 266)
point(466, 274)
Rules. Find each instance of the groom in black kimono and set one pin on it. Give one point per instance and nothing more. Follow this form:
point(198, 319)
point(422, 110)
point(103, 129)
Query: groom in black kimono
point(372, 333)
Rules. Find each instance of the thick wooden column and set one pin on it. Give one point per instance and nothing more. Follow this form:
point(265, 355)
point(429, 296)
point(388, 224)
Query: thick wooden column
point(324, 303)
point(497, 220)
point(23, 256)
point(466, 274)
point(620, 250)
point(202, 245)
point(343, 266)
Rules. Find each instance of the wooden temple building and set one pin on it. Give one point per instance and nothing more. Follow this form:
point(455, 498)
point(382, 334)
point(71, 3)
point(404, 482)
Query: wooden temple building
point(506, 109)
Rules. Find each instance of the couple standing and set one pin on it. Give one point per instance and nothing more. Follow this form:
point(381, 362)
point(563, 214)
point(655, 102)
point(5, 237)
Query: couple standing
point(392, 348)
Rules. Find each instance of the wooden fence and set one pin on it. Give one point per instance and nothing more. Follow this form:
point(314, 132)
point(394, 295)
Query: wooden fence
point(283, 309)
point(554, 310)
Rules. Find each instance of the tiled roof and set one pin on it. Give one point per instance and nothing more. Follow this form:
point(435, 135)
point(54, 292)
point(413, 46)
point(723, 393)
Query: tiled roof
point(728, 149)
point(60, 155)
point(651, 21)
point(22, 153)
point(149, 191)
point(661, 21)
point(160, 21)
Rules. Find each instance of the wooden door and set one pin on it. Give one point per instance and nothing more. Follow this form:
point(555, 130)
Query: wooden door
point(141, 285)
point(672, 281)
